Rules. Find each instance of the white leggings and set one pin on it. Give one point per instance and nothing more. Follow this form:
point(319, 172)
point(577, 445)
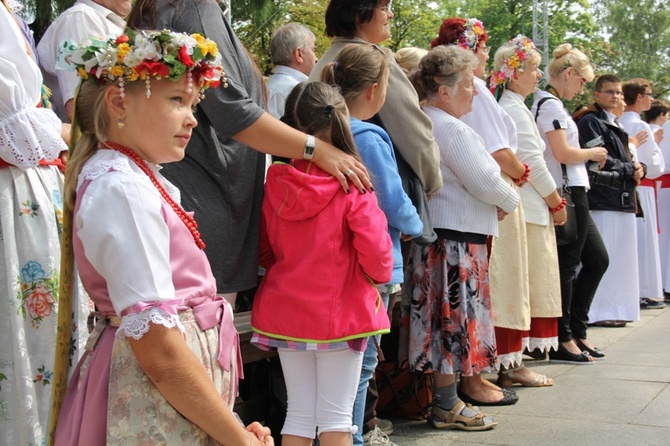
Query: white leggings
point(321, 388)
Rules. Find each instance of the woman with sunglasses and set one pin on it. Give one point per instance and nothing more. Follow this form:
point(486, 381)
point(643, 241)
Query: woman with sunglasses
point(568, 71)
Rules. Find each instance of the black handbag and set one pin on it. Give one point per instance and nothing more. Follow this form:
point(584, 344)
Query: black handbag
point(567, 233)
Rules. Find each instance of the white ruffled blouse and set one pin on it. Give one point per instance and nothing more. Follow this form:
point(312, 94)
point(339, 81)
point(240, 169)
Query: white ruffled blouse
point(27, 134)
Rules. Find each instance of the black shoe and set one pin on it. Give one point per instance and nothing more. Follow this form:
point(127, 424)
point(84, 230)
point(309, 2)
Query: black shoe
point(595, 351)
point(508, 399)
point(563, 356)
point(650, 304)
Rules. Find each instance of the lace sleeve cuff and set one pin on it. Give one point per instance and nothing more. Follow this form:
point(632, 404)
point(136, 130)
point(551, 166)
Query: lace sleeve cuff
point(135, 325)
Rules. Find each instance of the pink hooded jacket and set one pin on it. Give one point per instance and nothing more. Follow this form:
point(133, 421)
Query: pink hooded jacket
point(323, 250)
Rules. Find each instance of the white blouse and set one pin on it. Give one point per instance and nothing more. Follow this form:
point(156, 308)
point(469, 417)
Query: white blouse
point(531, 151)
point(552, 112)
point(490, 121)
point(648, 153)
point(125, 238)
point(472, 185)
point(27, 134)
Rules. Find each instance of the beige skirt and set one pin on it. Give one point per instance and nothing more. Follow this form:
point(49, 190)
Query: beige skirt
point(138, 413)
point(543, 274)
point(508, 269)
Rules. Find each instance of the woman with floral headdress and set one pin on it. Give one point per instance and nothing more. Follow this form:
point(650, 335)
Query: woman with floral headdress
point(162, 362)
point(516, 76)
point(508, 262)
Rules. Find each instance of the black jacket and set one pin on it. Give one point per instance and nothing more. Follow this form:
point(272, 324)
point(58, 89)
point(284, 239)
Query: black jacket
point(592, 124)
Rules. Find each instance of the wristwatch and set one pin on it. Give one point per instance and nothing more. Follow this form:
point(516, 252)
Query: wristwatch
point(310, 144)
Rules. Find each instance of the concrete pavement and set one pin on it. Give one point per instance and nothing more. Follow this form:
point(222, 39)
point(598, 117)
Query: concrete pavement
point(622, 400)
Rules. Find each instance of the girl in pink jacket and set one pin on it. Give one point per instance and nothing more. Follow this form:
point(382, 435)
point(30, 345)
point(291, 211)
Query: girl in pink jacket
point(324, 249)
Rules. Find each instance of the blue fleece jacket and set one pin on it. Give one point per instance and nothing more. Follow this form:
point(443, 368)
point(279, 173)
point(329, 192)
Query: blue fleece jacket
point(376, 149)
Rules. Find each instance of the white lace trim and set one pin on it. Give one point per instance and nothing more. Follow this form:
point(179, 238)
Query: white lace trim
point(29, 136)
point(544, 344)
point(97, 168)
point(135, 325)
point(509, 360)
point(100, 165)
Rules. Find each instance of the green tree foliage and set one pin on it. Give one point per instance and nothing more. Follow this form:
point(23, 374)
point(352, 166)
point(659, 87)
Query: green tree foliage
point(570, 20)
point(415, 23)
point(639, 40)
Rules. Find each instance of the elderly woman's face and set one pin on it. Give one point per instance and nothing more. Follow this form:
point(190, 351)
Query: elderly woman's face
point(526, 80)
point(461, 96)
point(378, 29)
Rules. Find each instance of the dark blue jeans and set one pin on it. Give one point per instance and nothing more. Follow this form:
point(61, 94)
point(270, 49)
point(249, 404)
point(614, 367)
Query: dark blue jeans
point(578, 289)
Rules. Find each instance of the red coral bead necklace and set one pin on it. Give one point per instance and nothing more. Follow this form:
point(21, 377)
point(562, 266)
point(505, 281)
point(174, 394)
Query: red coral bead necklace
point(181, 213)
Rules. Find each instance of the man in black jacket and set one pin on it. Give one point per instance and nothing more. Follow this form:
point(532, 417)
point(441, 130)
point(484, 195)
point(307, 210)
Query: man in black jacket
point(612, 204)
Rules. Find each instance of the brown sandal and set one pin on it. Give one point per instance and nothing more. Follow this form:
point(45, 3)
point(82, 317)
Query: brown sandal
point(453, 419)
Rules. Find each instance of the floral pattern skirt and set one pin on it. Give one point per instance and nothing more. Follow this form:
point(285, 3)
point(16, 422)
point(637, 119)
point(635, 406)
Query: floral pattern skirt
point(446, 324)
point(31, 209)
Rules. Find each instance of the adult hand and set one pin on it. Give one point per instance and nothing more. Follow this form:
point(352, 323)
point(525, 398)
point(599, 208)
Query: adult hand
point(599, 155)
point(261, 433)
point(658, 136)
point(639, 172)
point(560, 217)
point(501, 214)
point(342, 166)
point(639, 139)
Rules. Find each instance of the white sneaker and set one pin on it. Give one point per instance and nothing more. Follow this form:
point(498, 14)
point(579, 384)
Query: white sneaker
point(377, 438)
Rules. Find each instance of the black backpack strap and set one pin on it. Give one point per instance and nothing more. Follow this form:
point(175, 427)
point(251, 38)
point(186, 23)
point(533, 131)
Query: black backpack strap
point(539, 104)
point(557, 126)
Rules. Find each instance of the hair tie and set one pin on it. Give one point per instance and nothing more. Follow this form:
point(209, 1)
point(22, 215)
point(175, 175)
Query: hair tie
point(329, 110)
point(336, 64)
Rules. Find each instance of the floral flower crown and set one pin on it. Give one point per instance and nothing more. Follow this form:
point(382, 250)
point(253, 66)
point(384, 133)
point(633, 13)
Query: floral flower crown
point(142, 56)
point(473, 29)
point(524, 48)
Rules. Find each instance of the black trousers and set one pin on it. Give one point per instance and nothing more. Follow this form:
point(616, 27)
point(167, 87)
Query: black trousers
point(578, 289)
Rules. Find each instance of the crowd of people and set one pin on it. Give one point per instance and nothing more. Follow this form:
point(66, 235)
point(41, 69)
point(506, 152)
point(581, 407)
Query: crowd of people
point(167, 173)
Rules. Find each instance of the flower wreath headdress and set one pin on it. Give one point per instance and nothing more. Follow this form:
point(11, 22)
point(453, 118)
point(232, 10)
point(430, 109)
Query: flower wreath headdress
point(142, 56)
point(524, 48)
point(473, 29)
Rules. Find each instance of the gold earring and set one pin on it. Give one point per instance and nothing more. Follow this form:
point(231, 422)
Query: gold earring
point(121, 124)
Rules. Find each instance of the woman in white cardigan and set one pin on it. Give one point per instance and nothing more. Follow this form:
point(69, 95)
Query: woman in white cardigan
point(447, 302)
point(516, 76)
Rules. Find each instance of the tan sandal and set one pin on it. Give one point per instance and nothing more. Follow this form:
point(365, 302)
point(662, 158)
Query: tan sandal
point(507, 378)
point(454, 419)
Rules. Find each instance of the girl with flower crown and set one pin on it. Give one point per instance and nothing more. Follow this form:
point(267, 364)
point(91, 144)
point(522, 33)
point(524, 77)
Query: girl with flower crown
point(220, 177)
point(162, 362)
point(515, 77)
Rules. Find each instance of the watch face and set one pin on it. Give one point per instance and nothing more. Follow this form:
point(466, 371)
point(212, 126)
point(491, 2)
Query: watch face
point(309, 147)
